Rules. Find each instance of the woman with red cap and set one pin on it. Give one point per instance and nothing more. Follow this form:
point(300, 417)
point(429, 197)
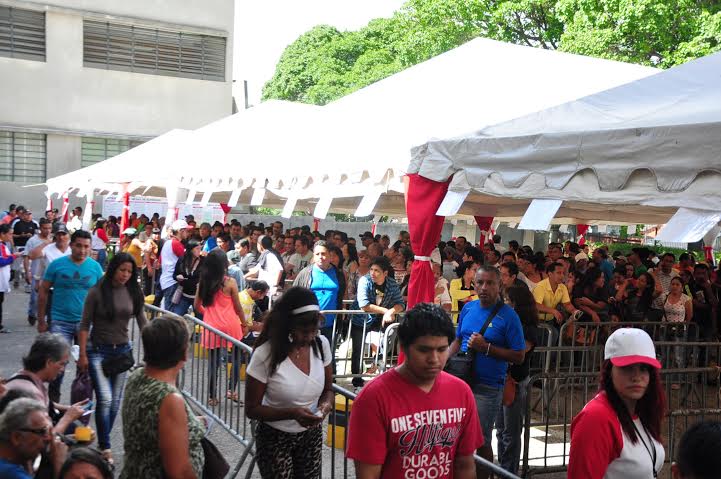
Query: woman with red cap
point(618, 433)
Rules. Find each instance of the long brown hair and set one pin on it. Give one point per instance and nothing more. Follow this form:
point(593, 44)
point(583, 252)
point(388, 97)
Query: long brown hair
point(651, 408)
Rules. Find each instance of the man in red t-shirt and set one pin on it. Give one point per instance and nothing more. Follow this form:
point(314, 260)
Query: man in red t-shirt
point(416, 418)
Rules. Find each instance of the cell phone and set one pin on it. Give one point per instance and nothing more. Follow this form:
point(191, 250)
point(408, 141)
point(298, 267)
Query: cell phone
point(88, 412)
point(89, 405)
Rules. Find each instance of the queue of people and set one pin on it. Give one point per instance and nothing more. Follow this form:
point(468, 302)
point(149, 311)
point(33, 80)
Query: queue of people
point(488, 302)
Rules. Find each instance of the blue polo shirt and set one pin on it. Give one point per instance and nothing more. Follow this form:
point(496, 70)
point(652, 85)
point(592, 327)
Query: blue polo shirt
point(71, 283)
point(9, 470)
point(505, 331)
point(325, 286)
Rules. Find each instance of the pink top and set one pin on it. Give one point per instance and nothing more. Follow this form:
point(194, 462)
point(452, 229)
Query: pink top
point(221, 315)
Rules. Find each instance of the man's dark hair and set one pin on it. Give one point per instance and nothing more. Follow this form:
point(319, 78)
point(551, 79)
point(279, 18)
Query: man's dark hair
point(461, 237)
point(303, 240)
point(46, 347)
point(383, 263)
point(5, 228)
point(511, 254)
point(673, 256)
point(266, 242)
point(244, 243)
point(343, 236)
point(495, 253)
point(85, 455)
point(511, 267)
point(259, 286)
point(684, 257)
point(78, 208)
point(425, 319)
point(474, 253)
point(552, 267)
point(80, 234)
point(698, 452)
point(702, 266)
point(497, 239)
point(165, 340)
point(620, 270)
point(225, 237)
point(513, 244)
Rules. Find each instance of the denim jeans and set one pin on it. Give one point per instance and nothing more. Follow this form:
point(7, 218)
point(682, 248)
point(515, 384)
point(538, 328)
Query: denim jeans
point(509, 426)
point(102, 257)
point(69, 331)
point(215, 360)
point(182, 307)
point(168, 296)
point(108, 390)
point(33, 304)
point(488, 403)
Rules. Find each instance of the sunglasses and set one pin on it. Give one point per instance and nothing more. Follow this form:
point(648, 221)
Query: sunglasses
point(45, 431)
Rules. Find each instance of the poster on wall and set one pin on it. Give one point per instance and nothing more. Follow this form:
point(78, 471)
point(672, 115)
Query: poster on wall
point(148, 206)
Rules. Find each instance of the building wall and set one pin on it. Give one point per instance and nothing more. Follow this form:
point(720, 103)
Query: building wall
point(67, 101)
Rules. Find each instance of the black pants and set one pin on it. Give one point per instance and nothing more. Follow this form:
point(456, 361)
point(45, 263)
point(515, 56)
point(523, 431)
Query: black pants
point(357, 338)
point(215, 360)
point(2, 299)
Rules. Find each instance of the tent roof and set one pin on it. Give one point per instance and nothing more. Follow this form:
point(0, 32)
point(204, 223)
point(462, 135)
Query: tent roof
point(650, 146)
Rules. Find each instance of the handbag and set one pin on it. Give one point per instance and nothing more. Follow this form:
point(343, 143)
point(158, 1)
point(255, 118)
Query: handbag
point(80, 390)
point(177, 295)
point(509, 390)
point(460, 364)
point(215, 466)
point(115, 365)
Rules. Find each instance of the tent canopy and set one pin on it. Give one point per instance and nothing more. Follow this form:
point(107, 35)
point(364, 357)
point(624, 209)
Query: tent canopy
point(359, 145)
point(634, 153)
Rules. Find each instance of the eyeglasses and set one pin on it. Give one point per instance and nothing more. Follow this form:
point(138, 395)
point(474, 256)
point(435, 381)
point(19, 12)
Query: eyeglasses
point(40, 432)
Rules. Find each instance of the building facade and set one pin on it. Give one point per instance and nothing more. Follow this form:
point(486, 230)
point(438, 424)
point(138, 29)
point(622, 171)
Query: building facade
point(84, 80)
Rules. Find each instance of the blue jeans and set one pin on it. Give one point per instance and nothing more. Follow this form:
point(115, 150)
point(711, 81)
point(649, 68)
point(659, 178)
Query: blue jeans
point(33, 304)
point(69, 331)
point(488, 403)
point(182, 307)
point(168, 296)
point(102, 257)
point(108, 390)
point(509, 426)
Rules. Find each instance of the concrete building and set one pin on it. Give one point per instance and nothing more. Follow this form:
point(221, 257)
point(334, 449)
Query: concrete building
point(84, 80)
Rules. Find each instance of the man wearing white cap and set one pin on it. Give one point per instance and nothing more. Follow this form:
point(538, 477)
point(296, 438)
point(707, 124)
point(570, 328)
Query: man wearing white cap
point(172, 250)
point(618, 433)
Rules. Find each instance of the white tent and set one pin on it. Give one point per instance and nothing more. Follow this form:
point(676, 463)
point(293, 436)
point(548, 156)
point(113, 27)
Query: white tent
point(633, 153)
point(359, 145)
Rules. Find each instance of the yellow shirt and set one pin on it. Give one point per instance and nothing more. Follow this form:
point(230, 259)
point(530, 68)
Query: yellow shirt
point(458, 294)
point(246, 303)
point(135, 251)
point(544, 295)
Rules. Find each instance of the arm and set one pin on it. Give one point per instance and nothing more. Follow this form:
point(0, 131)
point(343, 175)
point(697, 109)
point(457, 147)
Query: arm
point(454, 347)
point(89, 312)
point(26, 268)
point(197, 303)
point(236, 301)
point(37, 252)
point(43, 293)
point(481, 346)
point(174, 442)
point(369, 471)
point(689, 311)
point(464, 467)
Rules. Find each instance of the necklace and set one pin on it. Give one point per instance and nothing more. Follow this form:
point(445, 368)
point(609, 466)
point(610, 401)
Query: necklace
point(298, 351)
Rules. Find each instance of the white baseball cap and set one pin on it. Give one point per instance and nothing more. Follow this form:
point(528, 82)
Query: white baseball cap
point(581, 256)
point(628, 346)
point(179, 225)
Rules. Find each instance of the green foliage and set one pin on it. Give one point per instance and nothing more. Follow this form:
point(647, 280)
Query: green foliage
point(325, 64)
point(626, 248)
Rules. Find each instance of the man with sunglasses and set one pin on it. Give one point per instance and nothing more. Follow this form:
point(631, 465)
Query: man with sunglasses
point(25, 433)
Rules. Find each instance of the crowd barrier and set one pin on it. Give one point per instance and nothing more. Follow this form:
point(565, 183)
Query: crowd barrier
point(564, 377)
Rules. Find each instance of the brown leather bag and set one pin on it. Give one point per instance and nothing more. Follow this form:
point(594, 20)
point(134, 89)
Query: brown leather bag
point(509, 390)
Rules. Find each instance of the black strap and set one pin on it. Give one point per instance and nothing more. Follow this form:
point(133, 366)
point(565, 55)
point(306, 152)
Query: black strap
point(651, 455)
point(493, 314)
point(23, 377)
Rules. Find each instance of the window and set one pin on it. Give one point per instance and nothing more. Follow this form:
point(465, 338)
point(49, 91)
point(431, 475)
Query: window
point(22, 157)
point(22, 34)
point(146, 50)
point(95, 150)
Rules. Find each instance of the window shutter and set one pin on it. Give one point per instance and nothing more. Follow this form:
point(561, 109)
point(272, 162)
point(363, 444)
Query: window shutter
point(23, 157)
point(22, 34)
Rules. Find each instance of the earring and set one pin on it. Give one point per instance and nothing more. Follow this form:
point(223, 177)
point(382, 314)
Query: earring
point(290, 338)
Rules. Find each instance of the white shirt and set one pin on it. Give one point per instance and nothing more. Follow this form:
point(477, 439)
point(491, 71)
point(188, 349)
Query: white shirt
point(289, 387)
point(269, 273)
point(168, 261)
point(35, 264)
point(50, 254)
point(96, 242)
point(300, 261)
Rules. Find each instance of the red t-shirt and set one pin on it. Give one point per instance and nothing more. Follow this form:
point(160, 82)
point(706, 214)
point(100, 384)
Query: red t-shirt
point(398, 425)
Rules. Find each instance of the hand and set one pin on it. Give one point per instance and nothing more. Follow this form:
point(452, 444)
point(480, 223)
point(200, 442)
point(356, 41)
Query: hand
point(305, 417)
point(42, 325)
point(559, 317)
point(82, 363)
point(595, 318)
point(325, 409)
point(76, 411)
point(28, 279)
point(58, 452)
point(389, 317)
point(478, 343)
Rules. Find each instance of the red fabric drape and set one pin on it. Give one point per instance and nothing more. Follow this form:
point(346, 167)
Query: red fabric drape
point(64, 212)
point(582, 230)
point(226, 209)
point(708, 254)
point(49, 205)
point(423, 197)
point(125, 218)
point(484, 224)
point(316, 224)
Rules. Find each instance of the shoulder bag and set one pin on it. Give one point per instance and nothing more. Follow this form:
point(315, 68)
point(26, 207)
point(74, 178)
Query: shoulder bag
point(460, 364)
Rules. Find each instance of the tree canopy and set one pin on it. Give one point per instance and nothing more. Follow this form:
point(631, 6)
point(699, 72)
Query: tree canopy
point(324, 64)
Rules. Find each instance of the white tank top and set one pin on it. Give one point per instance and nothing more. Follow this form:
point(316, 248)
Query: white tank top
point(96, 242)
point(168, 261)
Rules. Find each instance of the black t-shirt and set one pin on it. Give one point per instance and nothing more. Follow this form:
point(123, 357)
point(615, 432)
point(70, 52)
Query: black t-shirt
point(519, 372)
point(22, 227)
point(700, 315)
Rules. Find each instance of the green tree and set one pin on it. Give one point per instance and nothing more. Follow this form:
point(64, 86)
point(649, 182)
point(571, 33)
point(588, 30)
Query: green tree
point(325, 64)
